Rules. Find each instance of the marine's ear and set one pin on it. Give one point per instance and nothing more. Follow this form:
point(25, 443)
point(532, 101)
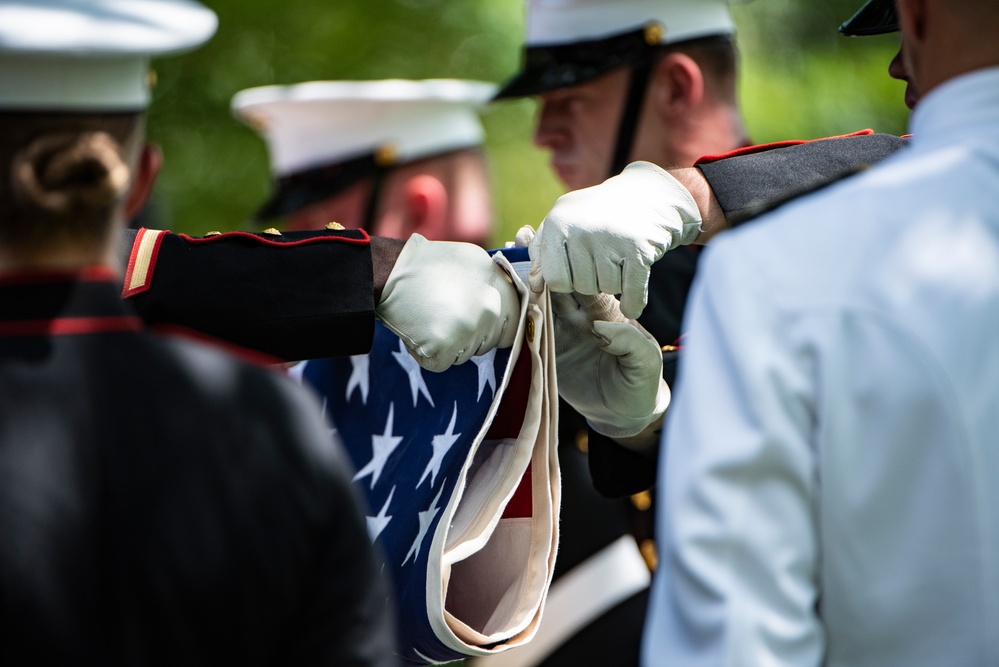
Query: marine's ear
point(679, 84)
point(426, 206)
point(146, 170)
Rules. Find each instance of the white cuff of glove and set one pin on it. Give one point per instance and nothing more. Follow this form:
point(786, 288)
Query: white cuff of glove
point(669, 194)
point(629, 380)
point(449, 302)
point(605, 239)
point(637, 433)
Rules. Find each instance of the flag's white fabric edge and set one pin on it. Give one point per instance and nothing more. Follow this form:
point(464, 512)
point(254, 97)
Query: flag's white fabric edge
point(436, 592)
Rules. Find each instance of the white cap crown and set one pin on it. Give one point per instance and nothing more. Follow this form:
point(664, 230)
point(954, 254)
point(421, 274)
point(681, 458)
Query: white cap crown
point(91, 54)
point(551, 22)
point(323, 122)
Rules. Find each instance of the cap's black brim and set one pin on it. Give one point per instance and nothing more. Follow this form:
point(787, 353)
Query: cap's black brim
point(877, 17)
point(297, 191)
point(553, 66)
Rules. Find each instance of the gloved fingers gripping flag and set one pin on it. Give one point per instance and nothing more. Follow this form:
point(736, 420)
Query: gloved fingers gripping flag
point(461, 477)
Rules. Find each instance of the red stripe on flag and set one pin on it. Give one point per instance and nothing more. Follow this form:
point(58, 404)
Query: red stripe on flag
point(521, 505)
point(510, 414)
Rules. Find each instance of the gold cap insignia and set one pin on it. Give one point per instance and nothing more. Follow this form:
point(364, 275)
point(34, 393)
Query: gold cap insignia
point(152, 79)
point(214, 234)
point(334, 226)
point(257, 122)
point(271, 231)
point(386, 155)
point(654, 33)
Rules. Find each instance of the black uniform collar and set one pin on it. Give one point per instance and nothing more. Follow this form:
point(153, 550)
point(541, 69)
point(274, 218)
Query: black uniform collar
point(63, 303)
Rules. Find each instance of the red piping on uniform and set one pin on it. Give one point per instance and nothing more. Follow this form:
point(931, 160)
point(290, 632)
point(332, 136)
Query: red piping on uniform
point(71, 326)
point(89, 274)
point(760, 148)
point(132, 256)
point(364, 240)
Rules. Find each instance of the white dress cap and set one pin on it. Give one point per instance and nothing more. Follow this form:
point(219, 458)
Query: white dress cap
point(325, 122)
point(91, 55)
point(551, 22)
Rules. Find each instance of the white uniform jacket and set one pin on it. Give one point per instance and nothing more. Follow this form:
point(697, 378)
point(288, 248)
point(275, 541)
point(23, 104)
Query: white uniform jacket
point(830, 488)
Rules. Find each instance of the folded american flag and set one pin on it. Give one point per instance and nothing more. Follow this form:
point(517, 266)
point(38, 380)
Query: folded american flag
point(461, 477)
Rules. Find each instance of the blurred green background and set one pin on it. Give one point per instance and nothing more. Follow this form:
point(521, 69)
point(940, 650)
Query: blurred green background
point(800, 80)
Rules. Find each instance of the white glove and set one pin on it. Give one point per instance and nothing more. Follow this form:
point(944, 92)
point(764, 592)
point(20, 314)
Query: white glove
point(448, 302)
point(604, 239)
point(609, 369)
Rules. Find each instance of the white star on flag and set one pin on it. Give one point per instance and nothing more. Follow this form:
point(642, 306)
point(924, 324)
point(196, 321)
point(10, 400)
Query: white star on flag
point(382, 447)
point(442, 444)
point(359, 376)
point(376, 524)
point(425, 518)
point(486, 364)
point(420, 438)
point(415, 373)
point(295, 371)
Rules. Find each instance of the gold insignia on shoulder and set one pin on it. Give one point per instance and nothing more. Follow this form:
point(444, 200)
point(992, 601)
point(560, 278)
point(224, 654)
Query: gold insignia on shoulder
point(669, 348)
point(152, 79)
point(530, 330)
point(271, 231)
point(386, 155)
point(582, 440)
point(654, 33)
point(642, 501)
point(335, 226)
point(213, 234)
point(650, 554)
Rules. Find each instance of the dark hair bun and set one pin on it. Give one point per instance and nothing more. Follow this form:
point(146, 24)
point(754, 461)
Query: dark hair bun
point(64, 176)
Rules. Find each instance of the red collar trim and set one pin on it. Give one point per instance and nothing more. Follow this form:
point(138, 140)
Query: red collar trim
point(71, 326)
point(760, 148)
point(89, 274)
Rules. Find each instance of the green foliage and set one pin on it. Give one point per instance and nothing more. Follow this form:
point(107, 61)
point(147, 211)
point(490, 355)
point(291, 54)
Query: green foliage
point(800, 80)
point(216, 170)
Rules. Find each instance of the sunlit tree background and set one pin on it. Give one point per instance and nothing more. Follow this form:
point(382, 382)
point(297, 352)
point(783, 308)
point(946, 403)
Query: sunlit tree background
point(800, 80)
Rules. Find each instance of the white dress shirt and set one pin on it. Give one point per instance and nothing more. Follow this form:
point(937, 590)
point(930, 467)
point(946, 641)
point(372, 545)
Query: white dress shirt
point(830, 490)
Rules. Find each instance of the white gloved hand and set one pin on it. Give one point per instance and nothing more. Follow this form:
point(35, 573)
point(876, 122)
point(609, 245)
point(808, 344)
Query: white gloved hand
point(448, 302)
point(609, 369)
point(604, 239)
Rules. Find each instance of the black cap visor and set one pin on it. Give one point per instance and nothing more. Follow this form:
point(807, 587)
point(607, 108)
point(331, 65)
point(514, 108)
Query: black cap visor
point(550, 67)
point(304, 188)
point(877, 17)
